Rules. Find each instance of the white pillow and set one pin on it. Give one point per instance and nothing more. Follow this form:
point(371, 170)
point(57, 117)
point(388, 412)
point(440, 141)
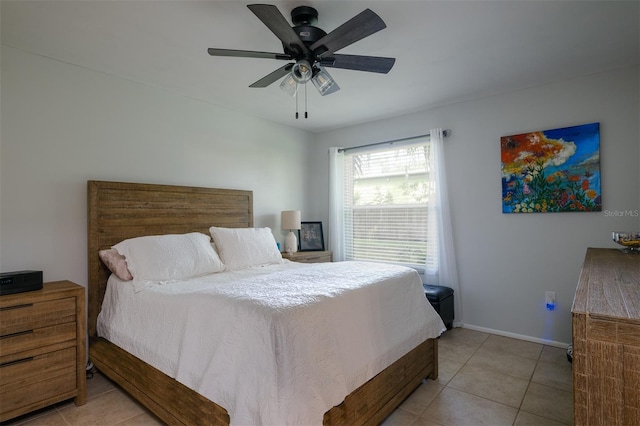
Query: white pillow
point(170, 257)
point(245, 247)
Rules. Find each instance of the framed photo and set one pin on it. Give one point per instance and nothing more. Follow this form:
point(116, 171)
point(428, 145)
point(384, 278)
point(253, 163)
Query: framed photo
point(311, 237)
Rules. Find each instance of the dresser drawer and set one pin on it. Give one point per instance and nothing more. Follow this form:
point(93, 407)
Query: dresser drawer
point(38, 378)
point(38, 341)
point(19, 318)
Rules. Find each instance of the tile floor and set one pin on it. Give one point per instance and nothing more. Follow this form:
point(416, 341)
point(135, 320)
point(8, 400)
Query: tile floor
point(484, 379)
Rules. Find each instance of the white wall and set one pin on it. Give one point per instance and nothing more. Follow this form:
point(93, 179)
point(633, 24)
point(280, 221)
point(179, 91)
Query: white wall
point(63, 125)
point(507, 261)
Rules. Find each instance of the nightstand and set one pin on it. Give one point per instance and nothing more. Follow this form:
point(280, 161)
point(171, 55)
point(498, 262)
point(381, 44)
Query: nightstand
point(309, 256)
point(42, 348)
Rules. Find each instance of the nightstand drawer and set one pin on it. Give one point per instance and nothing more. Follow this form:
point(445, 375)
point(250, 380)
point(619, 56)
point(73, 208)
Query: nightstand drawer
point(19, 318)
point(38, 368)
point(16, 400)
point(37, 378)
point(309, 256)
point(35, 342)
point(42, 348)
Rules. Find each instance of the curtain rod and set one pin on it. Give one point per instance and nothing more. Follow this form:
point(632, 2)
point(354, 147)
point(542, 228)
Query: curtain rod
point(446, 133)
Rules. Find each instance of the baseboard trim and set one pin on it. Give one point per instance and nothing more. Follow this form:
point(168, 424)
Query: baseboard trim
point(562, 345)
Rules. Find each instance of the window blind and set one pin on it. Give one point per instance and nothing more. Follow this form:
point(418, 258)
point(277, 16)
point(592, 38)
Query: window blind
point(386, 206)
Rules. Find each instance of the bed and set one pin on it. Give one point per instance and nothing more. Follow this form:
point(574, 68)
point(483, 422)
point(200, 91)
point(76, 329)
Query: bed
point(118, 211)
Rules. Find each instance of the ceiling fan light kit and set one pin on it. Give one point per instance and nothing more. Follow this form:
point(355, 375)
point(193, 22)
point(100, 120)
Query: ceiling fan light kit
point(311, 48)
point(324, 83)
point(289, 85)
point(301, 71)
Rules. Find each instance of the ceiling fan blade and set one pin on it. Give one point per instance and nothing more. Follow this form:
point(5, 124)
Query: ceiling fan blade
point(273, 77)
point(360, 26)
point(377, 64)
point(247, 54)
point(277, 23)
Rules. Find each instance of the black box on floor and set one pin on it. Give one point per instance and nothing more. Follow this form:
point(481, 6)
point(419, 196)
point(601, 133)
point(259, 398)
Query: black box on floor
point(441, 298)
point(20, 281)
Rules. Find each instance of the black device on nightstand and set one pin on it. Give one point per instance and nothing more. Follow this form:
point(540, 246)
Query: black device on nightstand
point(20, 281)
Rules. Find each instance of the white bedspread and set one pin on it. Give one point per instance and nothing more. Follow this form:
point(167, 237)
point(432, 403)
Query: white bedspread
point(275, 345)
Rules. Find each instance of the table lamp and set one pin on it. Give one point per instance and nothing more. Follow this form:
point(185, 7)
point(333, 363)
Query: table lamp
point(290, 220)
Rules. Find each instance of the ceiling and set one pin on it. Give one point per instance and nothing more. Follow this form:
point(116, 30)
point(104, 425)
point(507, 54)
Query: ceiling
point(446, 51)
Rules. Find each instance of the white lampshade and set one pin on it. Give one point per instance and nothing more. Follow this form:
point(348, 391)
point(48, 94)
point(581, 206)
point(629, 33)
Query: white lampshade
point(290, 219)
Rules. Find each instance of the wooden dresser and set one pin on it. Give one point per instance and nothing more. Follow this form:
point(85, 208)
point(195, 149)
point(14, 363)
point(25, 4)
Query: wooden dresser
point(606, 339)
point(42, 348)
point(309, 256)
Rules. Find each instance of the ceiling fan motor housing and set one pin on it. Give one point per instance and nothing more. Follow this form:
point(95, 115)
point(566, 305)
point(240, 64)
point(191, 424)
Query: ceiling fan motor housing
point(304, 19)
point(309, 34)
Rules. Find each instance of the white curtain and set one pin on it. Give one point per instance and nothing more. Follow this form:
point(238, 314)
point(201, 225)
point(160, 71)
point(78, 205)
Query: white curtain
point(336, 201)
point(446, 273)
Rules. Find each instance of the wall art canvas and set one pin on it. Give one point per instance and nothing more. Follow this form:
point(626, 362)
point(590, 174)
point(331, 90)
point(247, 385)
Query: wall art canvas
point(552, 170)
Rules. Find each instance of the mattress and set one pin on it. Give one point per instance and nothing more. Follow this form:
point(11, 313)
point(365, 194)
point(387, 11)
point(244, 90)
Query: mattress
point(279, 344)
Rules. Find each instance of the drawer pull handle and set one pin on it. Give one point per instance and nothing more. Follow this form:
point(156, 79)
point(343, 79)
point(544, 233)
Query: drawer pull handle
point(26, 305)
point(18, 361)
point(19, 333)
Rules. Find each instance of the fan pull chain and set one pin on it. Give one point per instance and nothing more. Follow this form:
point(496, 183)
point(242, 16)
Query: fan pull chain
point(306, 115)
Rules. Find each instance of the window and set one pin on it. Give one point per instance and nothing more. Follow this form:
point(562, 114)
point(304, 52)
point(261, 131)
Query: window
point(386, 206)
point(391, 205)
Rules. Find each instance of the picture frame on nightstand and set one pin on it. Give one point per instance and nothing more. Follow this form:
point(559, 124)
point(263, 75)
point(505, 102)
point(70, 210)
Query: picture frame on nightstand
point(310, 236)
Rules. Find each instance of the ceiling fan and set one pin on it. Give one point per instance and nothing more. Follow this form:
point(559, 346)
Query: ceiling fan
point(312, 49)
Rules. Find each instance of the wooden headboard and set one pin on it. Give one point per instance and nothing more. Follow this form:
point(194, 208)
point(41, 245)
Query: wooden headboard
point(119, 210)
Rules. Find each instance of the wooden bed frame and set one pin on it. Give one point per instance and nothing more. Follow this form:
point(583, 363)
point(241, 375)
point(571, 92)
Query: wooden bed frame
point(117, 211)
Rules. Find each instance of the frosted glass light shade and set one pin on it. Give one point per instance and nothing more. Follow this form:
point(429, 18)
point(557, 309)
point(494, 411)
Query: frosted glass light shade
point(324, 83)
point(290, 219)
point(302, 71)
point(289, 85)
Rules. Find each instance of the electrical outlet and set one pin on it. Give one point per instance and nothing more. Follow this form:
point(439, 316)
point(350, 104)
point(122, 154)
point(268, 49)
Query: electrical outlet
point(550, 300)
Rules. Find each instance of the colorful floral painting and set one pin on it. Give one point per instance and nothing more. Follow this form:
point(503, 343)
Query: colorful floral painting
point(552, 170)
